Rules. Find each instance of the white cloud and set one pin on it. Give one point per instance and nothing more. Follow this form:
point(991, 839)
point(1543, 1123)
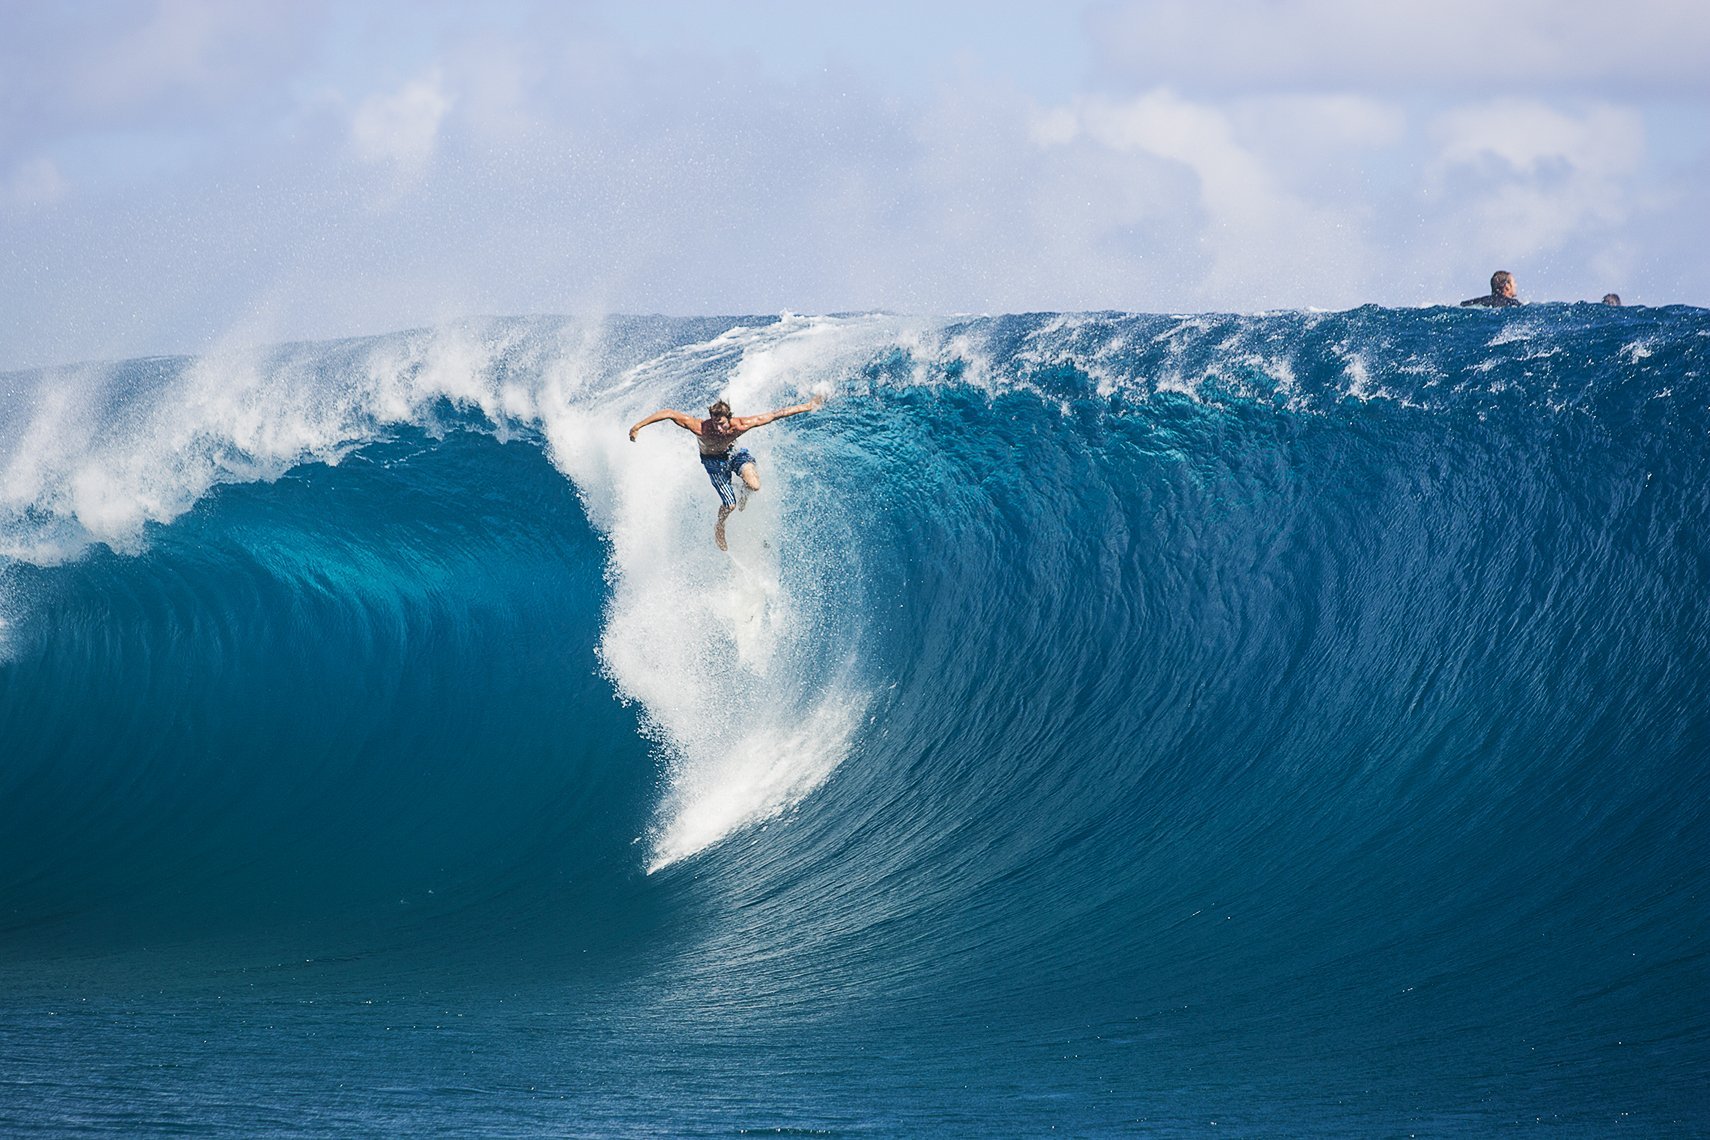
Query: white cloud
point(1527, 135)
point(498, 82)
point(1235, 185)
point(1469, 47)
point(1263, 243)
point(1323, 122)
point(1533, 177)
point(33, 184)
point(207, 46)
point(401, 128)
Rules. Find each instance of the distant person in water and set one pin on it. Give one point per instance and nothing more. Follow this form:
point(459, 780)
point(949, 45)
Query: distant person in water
point(1502, 292)
point(719, 455)
point(1612, 299)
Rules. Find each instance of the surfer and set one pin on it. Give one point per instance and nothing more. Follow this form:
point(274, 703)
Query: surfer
point(719, 456)
point(1502, 292)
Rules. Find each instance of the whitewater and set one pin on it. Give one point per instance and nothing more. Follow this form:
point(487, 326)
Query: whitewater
point(1292, 724)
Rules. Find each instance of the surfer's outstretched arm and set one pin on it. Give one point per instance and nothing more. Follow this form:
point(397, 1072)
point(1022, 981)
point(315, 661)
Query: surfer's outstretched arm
point(748, 423)
point(681, 419)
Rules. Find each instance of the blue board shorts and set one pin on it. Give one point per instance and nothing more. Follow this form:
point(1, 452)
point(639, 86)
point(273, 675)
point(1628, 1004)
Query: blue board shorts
point(720, 468)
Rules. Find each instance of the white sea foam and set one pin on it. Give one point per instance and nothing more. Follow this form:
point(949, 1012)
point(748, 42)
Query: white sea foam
point(728, 658)
point(742, 778)
point(1359, 376)
point(1512, 332)
point(99, 454)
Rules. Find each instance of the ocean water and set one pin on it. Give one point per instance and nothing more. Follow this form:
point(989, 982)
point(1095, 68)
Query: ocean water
point(1283, 725)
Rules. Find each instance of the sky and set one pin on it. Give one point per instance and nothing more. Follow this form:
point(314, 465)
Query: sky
point(183, 175)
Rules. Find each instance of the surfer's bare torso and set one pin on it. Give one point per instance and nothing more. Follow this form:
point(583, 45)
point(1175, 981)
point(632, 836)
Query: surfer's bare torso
point(716, 437)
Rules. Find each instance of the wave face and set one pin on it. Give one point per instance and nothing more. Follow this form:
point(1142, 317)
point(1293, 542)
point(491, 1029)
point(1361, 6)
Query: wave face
point(1116, 723)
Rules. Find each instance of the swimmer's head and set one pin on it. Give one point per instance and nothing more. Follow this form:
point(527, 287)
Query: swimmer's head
point(1502, 283)
point(1611, 298)
point(719, 411)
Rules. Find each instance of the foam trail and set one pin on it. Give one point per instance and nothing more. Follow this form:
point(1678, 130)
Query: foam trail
point(726, 653)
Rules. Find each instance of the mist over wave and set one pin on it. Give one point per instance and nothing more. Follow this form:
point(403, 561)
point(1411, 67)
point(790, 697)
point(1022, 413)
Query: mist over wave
point(1099, 720)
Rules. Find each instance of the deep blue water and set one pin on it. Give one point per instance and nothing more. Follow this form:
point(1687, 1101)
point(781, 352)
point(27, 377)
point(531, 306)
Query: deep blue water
point(1279, 725)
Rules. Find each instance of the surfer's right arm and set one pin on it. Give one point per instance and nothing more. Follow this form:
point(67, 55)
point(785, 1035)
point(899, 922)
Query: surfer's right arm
point(681, 419)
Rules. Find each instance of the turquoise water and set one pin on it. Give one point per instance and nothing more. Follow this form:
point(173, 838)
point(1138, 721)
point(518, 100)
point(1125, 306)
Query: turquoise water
point(1286, 725)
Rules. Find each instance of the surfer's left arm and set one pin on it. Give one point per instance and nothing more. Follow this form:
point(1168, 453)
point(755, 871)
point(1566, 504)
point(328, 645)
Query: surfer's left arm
point(747, 423)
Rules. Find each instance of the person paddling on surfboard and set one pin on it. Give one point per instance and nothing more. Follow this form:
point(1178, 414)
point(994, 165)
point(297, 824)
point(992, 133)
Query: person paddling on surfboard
point(719, 454)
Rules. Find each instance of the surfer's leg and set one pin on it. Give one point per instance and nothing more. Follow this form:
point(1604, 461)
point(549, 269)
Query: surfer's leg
point(721, 483)
point(742, 462)
point(718, 472)
point(750, 482)
point(718, 528)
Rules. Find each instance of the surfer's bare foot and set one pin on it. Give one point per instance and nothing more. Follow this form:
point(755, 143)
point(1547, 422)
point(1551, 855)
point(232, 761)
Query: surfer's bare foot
point(718, 529)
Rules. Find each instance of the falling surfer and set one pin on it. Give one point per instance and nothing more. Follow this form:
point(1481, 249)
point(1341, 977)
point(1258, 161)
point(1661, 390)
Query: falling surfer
point(720, 456)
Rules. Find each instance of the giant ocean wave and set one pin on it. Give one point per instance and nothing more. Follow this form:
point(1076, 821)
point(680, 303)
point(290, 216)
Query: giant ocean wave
point(1099, 719)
